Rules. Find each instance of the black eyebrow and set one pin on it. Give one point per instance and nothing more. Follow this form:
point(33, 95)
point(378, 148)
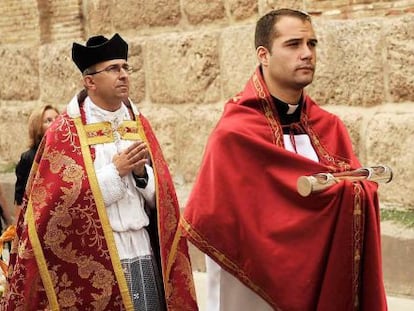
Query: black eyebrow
point(295, 40)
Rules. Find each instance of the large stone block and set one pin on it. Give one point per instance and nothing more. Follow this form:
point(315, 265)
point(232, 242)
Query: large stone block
point(60, 20)
point(19, 22)
point(183, 134)
point(353, 118)
point(204, 11)
point(165, 122)
point(137, 77)
point(60, 79)
point(349, 63)
point(14, 138)
point(243, 9)
point(183, 68)
point(20, 72)
point(268, 5)
point(104, 16)
point(390, 141)
point(399, 44)
point(193, 135)
point(237, 58)
point(397, 253)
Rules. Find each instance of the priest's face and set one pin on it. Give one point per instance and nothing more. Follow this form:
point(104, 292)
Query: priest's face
point(109, 83)
point(290, 64)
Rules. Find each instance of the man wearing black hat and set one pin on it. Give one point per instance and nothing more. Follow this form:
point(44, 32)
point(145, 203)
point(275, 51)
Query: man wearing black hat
point(99, 230)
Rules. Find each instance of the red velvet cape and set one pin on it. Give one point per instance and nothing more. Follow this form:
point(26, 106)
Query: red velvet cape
point(64, 255)
point(321, 252)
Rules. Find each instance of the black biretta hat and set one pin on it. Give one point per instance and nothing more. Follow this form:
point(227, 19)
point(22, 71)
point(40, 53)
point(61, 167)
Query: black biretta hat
point(99, 49)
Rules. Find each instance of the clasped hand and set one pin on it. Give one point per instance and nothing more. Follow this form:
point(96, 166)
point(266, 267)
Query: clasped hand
point(132, 159)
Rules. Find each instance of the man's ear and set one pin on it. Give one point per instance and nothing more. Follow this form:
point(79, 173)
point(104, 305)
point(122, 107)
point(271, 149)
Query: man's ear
point(88, 82)
point(263, 55)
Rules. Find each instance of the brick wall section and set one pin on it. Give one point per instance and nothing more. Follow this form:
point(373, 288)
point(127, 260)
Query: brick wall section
point(19, 22)
point(190, 56)
point(60, 20)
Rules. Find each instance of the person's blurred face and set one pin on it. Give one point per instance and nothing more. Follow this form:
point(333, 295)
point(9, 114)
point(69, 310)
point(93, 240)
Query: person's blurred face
point(290, 64)
point(47, 119)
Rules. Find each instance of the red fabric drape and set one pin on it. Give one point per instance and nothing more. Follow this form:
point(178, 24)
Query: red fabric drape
point(80, 264)
point(321, 252)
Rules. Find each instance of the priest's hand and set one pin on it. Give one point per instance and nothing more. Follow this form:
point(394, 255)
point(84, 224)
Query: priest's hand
point(132, 159)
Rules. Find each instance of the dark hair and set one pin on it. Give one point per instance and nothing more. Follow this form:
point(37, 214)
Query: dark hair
point(266, 30)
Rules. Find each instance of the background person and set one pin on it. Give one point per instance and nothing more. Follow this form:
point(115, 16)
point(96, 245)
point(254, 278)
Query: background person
point(39, 121)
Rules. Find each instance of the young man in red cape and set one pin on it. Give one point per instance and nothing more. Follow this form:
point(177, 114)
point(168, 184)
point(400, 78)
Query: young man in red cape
point(267, 247)
point(99, 226)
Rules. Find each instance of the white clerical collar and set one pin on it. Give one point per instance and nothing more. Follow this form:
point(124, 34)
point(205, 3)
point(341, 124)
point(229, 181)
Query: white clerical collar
point(292, 108)
point(95, 113)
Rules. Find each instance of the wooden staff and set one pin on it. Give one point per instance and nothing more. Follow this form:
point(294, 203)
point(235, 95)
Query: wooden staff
point(318, 182)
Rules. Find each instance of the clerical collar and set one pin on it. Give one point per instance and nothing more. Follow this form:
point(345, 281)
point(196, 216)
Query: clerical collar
point(288, 113)
point(285, 108)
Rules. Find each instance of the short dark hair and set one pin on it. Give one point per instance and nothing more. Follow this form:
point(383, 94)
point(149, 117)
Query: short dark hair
point(265, 27)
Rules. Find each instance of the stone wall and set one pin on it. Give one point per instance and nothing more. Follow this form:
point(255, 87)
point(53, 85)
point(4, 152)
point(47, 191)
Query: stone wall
point(190, 56)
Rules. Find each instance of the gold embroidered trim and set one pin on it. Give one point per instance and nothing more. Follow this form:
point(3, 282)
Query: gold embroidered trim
point(40, 259)
point(106, 227)
point(102, 132)
point(206, 248)
point(357, 249)
point(330, 160)
point(268, 112)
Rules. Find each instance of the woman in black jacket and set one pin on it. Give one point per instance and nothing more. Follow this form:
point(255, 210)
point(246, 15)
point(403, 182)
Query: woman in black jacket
point(39, 121)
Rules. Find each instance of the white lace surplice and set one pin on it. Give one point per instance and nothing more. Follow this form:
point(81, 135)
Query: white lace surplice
point(124, 201)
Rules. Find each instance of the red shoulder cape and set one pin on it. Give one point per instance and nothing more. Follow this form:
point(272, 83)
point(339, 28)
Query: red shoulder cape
point(64, 255)
point(315, 253)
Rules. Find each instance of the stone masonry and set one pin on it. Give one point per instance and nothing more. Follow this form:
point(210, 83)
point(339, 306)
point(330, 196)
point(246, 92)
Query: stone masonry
point(190, 56)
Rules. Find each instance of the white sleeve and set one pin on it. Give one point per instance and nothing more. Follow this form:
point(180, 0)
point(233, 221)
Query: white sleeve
point(112, 186)
point(149, 191)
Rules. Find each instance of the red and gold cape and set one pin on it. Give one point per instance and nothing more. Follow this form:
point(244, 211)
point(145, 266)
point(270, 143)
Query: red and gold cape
point(64, 255)
point(319, 253)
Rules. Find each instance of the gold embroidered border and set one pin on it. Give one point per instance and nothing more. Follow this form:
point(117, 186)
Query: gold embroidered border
point(268, 112)
point(102, 132)
point(106, 227)
point(206, 248)
point(40, 259)
point(320, 149)
point(357, 243)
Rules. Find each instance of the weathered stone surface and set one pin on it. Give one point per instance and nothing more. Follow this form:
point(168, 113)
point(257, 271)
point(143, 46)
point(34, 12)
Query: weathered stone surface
point(165, 122)
point(192, 139)
point(399, 45)
point(349, 63)
point(238, 58)
point(20, 72)
point(105, 17)
point(183, 134)
point(59, 20)
point(183, 68)
point(397, 253)
point(98, 17)
point(268, 5)
point(13, 128)
point(390, 141)
point(353, 118)
point(243, 9)
point(203, 11)
point(60, 79)
point(19, 22)
point(137, 77)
